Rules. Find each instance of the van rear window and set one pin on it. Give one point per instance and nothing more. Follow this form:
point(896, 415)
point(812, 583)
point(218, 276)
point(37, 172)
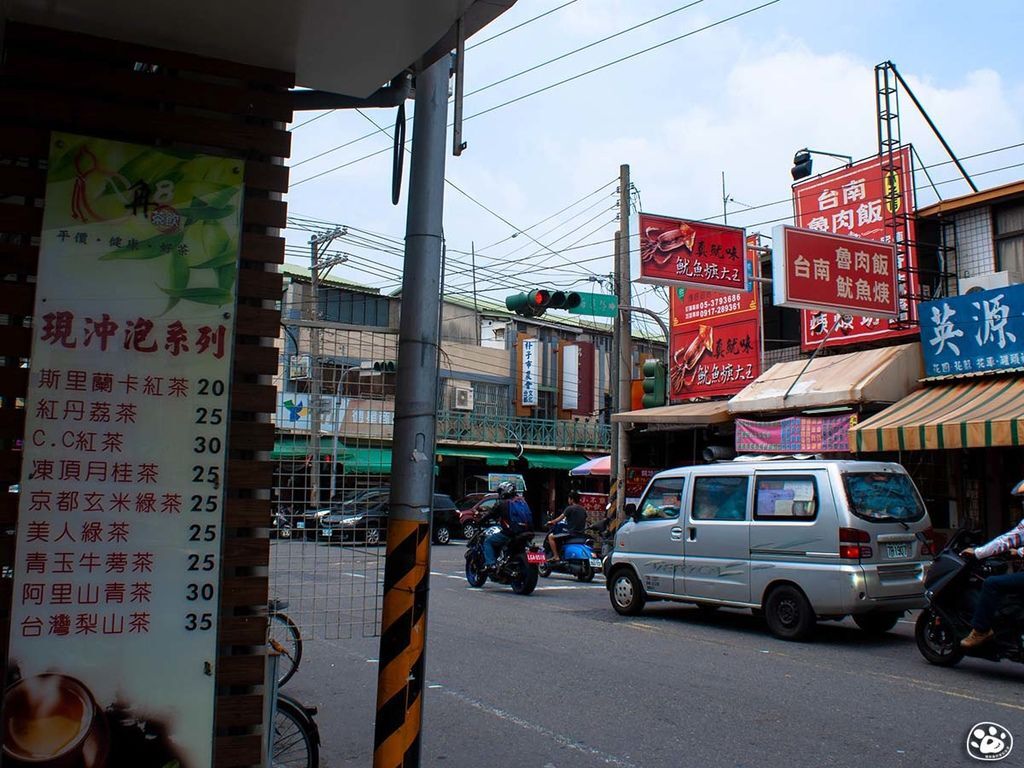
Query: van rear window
point(882, 497)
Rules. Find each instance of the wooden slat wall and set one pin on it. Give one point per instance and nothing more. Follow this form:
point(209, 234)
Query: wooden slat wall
point(52, 80)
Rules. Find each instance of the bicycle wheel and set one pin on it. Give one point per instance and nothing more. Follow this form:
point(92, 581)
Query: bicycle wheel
point(295, 744)
point(284, 638)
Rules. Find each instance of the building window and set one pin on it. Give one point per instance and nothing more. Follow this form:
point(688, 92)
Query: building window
point(546, 405)
point(491, 399)
point(341, 306)
point(1009, 234)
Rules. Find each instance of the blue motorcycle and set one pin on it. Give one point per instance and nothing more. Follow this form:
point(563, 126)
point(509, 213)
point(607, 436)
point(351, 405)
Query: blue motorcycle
point(578, 557)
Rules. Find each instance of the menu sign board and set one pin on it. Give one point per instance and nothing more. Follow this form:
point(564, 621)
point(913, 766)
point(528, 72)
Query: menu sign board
point(115, 603)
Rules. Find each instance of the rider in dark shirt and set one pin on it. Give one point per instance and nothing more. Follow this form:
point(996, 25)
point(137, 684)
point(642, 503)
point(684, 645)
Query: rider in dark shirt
point(574, 518)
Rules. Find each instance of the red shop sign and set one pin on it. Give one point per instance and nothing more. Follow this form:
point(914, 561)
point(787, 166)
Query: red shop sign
point(821, 271)
point(678, 252)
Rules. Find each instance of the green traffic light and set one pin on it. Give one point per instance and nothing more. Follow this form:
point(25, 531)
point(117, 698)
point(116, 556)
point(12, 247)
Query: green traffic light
point(653, 384)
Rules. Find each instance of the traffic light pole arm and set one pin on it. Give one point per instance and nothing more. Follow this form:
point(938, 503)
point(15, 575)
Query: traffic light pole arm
point(656, 318)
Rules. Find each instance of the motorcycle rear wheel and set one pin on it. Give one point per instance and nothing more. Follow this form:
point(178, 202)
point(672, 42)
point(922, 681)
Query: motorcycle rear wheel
point(543, 570)
point(936, 641)
point(526, 581)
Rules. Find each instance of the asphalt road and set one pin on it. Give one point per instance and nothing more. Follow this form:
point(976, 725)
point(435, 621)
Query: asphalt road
point(559, 680)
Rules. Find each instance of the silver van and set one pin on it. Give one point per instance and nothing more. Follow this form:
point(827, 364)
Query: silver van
point(800, 540)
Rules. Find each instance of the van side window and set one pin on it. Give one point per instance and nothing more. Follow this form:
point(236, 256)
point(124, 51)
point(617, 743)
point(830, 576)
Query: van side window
point(662, 500)
point(719, 498)
point(792, 497)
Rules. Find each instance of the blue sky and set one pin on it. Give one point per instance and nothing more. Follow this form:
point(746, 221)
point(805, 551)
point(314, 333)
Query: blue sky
point(738, 97)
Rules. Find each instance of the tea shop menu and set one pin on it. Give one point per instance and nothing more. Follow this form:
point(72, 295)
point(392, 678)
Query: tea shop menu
point(121, 499)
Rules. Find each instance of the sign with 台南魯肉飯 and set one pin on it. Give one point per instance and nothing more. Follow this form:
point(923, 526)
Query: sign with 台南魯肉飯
point(870, 199)
point(979, 332)
point(530, 371)
point(117, 564)
point(678, 252)
point(821, 271)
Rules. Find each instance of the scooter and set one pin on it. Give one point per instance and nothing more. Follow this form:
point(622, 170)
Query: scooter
point(517, 564)
point(578, 557)
point(952, 588)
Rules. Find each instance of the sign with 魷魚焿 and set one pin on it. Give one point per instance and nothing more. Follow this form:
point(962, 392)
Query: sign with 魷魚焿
point(117, 564)
point(980, 332)
point(822, 271)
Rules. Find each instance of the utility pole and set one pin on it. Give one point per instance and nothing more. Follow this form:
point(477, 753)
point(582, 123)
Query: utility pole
point(622, 345)
point(317, 244)
point(400, 677)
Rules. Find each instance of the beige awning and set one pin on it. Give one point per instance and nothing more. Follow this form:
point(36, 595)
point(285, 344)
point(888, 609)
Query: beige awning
point(692, 414)
point(872, 376)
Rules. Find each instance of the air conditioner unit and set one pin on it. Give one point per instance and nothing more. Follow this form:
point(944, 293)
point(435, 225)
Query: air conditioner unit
point(463, 399)
point(299, 366)
point(984, 282)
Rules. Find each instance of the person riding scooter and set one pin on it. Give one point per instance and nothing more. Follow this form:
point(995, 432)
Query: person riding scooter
point(571, 522)
point(995, 588)
point(513, 514)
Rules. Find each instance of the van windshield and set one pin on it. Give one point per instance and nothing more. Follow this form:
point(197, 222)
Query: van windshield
point(882, 497)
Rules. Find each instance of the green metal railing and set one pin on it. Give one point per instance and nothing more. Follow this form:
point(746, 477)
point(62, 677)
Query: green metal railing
point(474, 428)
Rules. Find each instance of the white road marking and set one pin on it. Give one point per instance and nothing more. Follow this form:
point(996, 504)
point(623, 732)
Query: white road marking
point(560, 739)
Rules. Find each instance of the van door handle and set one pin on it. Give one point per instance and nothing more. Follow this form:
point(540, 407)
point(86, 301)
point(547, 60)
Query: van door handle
point(677, 534)
point(692, 535)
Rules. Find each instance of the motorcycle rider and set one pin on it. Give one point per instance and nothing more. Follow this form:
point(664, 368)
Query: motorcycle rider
point(994, 587)
point(494, 543)
point(574, 521)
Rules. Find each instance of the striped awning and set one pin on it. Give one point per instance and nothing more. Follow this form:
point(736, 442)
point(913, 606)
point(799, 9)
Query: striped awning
point(970, 414)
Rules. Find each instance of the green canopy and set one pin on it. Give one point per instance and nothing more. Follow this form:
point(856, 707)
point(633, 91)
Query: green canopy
point(296, 448)
point(494, 458)
point(369, 460)
point(567, 461)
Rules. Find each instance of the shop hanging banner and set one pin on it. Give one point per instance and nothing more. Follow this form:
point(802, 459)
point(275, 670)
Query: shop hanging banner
point(678, 252)
point(114, 620)
point(531, 369)
point(798, 434)
point(980, 332)
point(853, 202)
point(715, 340)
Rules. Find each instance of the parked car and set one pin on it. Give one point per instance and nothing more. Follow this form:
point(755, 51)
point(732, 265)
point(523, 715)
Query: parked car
point(798, 540)
point(470, 514)
point(307, 524)
point(365, 519)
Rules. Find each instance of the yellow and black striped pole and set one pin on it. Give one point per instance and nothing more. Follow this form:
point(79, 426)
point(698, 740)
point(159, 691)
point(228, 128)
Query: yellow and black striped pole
point(403, 639)
point(402, 645)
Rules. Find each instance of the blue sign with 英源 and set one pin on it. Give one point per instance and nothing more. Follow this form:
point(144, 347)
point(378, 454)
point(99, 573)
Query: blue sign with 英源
point(981, 332)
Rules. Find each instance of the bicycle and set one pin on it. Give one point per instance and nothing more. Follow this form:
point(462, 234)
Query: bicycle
point(296, 737)
point(285, 639)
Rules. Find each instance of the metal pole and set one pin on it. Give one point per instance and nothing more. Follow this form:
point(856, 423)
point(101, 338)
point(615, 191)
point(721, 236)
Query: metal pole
point(400, 681)
point(625, 362)
point(315, 374)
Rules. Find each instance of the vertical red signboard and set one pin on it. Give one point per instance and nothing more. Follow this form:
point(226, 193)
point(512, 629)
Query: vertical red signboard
point(852, 202)
point(715, 345)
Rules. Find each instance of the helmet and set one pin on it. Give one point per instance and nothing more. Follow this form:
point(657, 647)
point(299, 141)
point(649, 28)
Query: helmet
point(506, 490)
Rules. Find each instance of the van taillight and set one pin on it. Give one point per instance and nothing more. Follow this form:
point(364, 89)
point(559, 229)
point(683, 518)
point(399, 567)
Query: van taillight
point(928, 546)
point(850, 544)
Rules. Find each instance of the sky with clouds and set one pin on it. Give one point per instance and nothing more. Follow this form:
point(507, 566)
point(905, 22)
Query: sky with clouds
point(742, 85)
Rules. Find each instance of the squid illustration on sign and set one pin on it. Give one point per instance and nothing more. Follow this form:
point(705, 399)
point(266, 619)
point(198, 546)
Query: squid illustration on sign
point(684, 361)
point(659, 245)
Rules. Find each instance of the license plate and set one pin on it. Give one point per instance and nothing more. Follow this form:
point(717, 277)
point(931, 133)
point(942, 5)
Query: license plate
point(535, 557)
point(595, 562)
point(896, 551)
point(327, 531)
point(300, 524)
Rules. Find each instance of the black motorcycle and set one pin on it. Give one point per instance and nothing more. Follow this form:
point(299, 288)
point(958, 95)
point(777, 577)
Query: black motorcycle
point(952, 588)
point(516, 565)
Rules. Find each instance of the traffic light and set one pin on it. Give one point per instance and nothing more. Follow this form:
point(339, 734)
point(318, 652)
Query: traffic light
point(654, 384)
point(801, 165)
point(536, 302)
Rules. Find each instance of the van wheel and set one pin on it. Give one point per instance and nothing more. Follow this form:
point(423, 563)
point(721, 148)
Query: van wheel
point(626, 593)
point(788, 614)
point(877, 622)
